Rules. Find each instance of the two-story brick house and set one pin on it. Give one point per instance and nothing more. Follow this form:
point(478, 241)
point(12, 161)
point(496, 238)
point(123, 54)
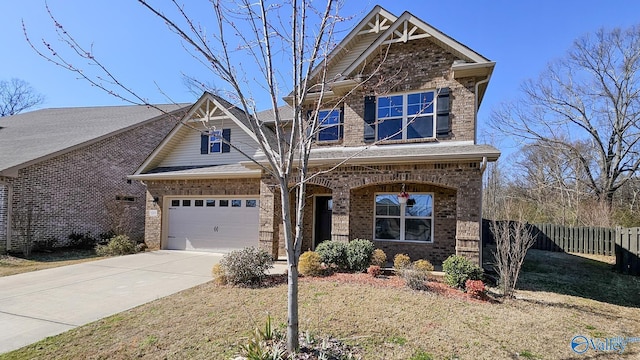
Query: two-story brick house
point(409, 127)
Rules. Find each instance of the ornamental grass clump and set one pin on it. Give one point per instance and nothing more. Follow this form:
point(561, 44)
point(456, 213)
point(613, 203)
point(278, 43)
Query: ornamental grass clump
point(416, 274)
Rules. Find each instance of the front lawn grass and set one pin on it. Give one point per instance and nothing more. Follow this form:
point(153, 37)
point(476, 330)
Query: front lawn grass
point(12, 265)
point(208, 322)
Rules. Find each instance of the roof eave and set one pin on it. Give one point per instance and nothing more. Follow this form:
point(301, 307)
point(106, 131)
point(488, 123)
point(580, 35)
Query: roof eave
point(473, 69)
point(196, 176)
point(396, 159)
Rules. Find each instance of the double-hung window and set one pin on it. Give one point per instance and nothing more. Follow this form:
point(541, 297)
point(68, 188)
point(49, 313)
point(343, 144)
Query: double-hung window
point(215, 141)
point(411, 221)
point(406, 116)
point(329, 125)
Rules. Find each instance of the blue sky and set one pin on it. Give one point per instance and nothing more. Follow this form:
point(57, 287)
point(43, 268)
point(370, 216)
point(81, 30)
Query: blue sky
point(521, 36)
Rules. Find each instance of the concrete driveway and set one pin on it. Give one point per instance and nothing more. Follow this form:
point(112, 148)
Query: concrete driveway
point(48, 302)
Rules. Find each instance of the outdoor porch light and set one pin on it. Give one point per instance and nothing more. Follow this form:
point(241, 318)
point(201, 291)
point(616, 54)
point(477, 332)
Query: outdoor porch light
point(403, 196)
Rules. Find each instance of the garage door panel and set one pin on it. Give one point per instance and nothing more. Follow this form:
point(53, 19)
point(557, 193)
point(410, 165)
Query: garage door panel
point(219, 229)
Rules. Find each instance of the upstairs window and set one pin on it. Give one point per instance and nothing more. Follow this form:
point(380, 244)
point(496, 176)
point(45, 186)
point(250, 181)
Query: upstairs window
point(329, 125)
point(414, 115)
point(406, 116)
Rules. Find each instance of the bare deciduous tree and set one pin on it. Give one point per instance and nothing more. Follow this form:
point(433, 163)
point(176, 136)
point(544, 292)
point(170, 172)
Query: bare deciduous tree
point(513, 240)
point(301, 34)
point(17, 95)
point(590, 98)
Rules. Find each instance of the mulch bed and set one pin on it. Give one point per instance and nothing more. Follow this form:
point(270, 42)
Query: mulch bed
point(390, 281)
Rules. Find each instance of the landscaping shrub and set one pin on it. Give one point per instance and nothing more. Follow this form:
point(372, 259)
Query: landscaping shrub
point(82, 241)
point(401, 261)
point(379, 258)
point(310, 264)
point(415, 279)
point(475, 288)
point(422, 265)
point(218, 274)
point(118, 245)
point(416, 275)
point(247, 266)
point(359, 253)
point(333, 253)
point(374, 270)
point(104, 237)
point(48, 244)
point(458, 269)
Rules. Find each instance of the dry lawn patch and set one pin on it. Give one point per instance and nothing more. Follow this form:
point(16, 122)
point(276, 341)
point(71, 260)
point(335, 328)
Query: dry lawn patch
point(12, 265)
point(562, 296)
point(384, 320)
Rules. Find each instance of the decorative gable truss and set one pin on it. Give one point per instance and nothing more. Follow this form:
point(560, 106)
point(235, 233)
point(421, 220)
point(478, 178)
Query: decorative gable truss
point(406, 31)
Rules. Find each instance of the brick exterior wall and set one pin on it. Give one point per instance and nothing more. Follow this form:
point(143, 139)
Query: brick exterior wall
point(361, 221)
point(412, 66)
point(76, 191)
point(166, 188)
point(456, 188)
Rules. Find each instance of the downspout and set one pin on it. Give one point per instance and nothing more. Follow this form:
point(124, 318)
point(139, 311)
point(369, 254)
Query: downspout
point(9, 207)
point(483, 165)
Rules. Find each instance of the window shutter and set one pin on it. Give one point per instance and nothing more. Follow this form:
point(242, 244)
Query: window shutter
point(226, 135)
point(369, 118)
point(443, 125)
point(341, 127)
point(204, 143)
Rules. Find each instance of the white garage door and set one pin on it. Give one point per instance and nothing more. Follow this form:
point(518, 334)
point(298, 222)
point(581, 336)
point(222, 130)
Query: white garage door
point(212, 224)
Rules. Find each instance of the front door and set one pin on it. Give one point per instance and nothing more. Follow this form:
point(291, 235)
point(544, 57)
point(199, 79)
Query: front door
point(322, 220)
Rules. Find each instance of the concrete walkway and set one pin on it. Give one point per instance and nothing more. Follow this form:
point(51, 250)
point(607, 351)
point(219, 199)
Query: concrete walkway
point(43, 303)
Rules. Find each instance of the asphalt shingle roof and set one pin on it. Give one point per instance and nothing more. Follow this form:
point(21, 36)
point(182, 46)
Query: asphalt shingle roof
point(28, 137)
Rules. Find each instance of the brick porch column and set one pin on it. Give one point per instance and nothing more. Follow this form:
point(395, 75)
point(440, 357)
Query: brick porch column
point(340, 213)
point(270, 219)
point(468, 224)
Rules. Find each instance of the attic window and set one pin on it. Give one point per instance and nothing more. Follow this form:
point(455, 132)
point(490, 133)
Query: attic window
point(215, 141)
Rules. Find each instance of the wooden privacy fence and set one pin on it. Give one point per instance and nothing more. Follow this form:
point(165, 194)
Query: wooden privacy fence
point(628, 250)
point(624, 243)
point(585, 240)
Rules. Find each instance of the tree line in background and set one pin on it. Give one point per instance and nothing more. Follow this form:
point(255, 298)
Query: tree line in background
point(578, 130)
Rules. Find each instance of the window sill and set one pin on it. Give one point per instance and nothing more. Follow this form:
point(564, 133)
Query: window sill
point(328, 142)
point(404, 241)
point(408, 141)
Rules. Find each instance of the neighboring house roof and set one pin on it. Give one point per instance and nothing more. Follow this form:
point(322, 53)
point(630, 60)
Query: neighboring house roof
point(267, 116)
point(35, 136)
